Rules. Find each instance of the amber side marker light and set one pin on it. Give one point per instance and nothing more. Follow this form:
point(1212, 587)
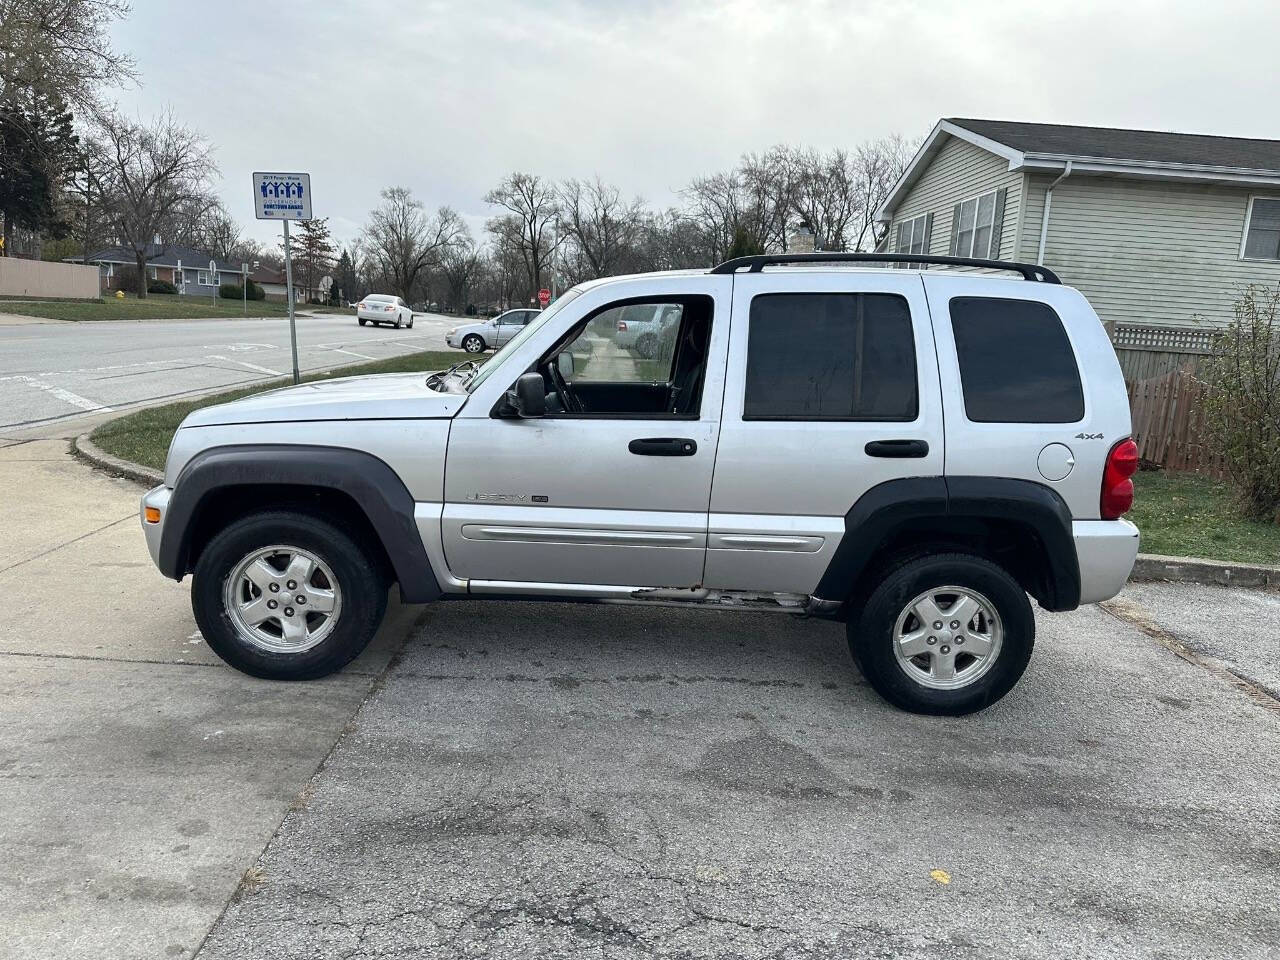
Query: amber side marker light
point(152, 514)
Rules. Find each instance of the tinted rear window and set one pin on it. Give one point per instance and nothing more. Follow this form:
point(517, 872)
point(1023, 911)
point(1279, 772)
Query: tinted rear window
point(830, 356)
point(1016, 363)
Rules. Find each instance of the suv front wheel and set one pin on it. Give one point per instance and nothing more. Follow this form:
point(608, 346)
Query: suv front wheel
point(287, 596)
point(946, 634)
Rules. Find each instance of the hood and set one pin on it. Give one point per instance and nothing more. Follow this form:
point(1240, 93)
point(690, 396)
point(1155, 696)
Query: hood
point(388, 396)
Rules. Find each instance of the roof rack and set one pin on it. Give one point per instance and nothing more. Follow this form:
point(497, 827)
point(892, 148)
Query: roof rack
point(754, 264)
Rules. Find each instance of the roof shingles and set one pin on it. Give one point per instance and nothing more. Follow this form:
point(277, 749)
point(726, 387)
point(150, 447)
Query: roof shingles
point(1109, 143)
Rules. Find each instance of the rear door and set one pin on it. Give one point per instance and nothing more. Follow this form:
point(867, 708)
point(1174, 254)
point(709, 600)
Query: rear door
point(831, 388)
point(1023, 366)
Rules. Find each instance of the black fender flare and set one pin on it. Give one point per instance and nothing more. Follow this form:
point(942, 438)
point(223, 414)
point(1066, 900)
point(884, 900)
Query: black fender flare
point(886, 507)
point(376, 489)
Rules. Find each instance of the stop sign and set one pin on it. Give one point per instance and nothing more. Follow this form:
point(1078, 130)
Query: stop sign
point(544, 296)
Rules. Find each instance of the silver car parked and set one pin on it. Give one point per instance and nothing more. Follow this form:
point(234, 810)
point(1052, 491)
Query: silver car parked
point(489, 334)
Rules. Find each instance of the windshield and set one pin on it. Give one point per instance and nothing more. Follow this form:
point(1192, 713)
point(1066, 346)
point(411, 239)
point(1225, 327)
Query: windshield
point(532, 327)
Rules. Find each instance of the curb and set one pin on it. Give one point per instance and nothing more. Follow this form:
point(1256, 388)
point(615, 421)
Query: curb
point(1150, 566)
point(87, 450)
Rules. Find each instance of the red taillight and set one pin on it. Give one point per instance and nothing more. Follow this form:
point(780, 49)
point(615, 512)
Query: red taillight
point(1117, 487)
point(390, 306)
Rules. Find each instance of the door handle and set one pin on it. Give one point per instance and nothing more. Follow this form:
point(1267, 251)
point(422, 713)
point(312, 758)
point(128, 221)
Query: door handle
point(663, 447)
point(897, 449)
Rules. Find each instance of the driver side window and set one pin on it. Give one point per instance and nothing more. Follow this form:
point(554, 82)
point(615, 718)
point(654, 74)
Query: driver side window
point(634, 358)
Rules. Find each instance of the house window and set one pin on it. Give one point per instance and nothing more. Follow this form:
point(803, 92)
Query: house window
point(974, 227)
point(913, 235)
point(154, 274)
point(203, 278)
point(1262, 229)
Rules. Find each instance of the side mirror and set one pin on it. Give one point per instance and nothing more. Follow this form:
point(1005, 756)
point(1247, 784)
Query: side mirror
point(565, 363)
point(528, 398)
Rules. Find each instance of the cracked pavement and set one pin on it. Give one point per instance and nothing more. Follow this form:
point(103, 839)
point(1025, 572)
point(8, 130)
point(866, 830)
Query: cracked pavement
point(551, 780)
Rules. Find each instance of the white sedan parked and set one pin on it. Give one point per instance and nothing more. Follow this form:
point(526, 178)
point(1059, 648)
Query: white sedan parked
point(489, 334)
point(383, 308)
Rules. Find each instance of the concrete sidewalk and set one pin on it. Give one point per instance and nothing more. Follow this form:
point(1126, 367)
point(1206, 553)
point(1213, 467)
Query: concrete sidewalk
point(139, 777)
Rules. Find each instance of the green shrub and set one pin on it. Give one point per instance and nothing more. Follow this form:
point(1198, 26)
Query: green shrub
point(160, 286)
point(1242, 409)
point(231, 291)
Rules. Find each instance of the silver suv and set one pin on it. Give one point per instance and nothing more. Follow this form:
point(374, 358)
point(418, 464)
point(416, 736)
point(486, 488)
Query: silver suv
point(912, 452)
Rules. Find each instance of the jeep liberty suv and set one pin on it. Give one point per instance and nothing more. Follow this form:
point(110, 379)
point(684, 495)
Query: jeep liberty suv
point(910, 451)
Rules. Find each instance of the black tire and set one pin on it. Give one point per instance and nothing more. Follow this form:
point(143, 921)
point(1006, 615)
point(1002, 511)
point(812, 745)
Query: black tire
point(397, 324)
point(362, 322)
point(872, 637)
point(362, 585)
point(473, 343)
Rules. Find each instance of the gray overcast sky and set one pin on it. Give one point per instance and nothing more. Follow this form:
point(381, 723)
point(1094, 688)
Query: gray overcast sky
point(446, 98)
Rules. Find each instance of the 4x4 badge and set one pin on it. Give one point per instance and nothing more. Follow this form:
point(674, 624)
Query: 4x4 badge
point(1088, 436)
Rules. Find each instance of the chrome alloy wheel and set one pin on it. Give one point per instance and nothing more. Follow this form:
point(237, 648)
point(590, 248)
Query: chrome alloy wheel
point(947, 637)
point(282, 599)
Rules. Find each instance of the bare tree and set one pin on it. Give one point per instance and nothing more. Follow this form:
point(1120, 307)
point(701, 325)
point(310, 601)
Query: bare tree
point(601, 227)
point(530, 226)
point(61, 48)
point(401, 242)
point(748, 203)
point(876, 167)
point(206, 225)
point(151, 176)
point(460, 267)
point(825, 196)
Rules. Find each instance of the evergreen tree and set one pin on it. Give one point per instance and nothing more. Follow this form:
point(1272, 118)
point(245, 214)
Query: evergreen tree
point(312, 251)
point(37, 149)
point(743, 245)
point(345, 281)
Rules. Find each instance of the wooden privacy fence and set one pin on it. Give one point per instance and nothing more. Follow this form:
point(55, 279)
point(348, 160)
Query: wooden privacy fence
point(1168, 423)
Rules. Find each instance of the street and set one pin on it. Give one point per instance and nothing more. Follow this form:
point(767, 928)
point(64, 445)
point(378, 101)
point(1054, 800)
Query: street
point(54, 370)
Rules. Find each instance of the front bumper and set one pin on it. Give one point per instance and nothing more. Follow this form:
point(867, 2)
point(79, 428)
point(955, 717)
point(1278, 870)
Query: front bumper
point(157, 498)
point(1106, 550)
point(454, 341)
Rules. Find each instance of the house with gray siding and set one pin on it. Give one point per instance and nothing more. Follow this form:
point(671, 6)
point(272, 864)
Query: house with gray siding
point(1160, 231)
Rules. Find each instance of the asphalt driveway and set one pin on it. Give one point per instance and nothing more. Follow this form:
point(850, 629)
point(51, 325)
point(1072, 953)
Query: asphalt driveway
point(554, 780)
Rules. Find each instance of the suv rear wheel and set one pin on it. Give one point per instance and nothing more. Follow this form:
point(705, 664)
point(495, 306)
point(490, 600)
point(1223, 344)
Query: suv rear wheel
point(287, 596)
point(946, 634)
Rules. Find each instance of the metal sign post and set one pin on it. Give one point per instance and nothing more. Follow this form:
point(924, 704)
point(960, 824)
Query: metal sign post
point(244, 286)
point(284, 196)
point(288, 282)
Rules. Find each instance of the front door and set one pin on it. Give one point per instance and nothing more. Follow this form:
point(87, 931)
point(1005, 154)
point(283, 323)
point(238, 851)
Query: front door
point(611, 486)
point(509, 324)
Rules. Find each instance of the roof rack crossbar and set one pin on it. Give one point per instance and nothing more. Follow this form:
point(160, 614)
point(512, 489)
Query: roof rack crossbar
point(754, 264)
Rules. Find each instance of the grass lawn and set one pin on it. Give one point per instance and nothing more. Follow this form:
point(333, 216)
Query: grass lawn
point(1181, 514)
point(157, 306)
point(143, 437)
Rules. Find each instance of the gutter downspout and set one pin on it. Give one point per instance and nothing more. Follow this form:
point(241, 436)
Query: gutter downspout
point(1044, 217)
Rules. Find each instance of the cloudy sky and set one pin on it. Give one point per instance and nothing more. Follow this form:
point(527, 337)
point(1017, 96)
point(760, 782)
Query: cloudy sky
point(447, 97)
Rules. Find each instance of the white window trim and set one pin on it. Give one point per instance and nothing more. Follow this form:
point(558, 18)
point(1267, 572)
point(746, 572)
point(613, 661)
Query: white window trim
point(1248, 218)
point(922, 222)
point(204, 279)
point(976, 201)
